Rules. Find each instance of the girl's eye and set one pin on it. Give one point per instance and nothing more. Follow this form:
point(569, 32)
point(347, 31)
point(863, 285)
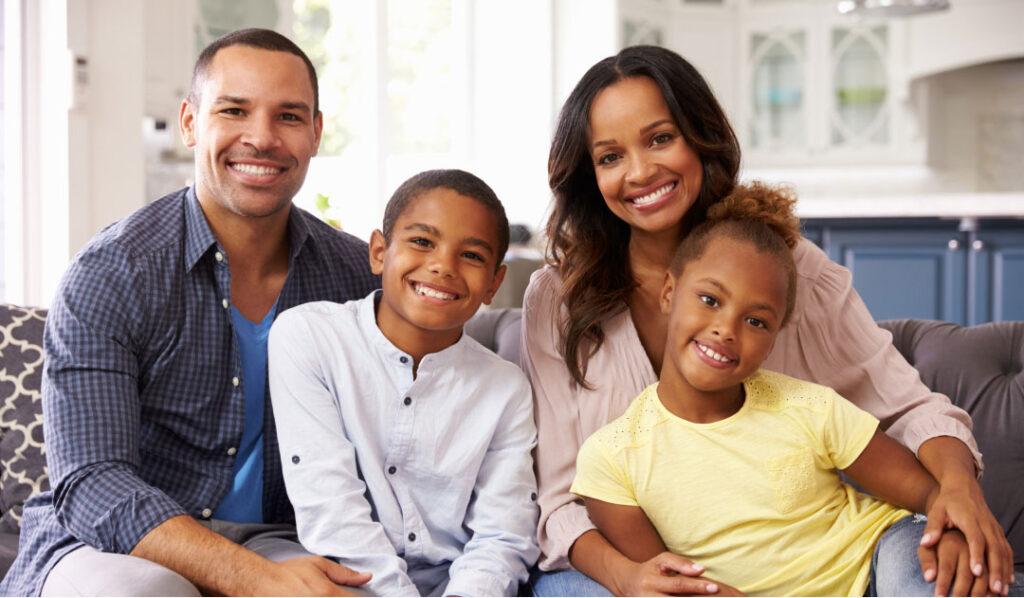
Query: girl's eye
point(756, 323)
point(709, 300)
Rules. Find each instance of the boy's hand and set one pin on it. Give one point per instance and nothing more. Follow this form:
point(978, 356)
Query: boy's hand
point(669, 574)
point(948, 564)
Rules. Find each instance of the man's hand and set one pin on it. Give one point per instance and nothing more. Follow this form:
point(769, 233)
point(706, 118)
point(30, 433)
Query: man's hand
point(309, 576)
point(668, 574)
point(989, 555)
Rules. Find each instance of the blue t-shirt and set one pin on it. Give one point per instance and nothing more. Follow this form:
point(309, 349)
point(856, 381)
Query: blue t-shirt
point(244, 502)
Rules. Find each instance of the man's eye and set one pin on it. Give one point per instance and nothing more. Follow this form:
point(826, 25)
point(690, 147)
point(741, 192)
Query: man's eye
point(232, 111)
point(291, 117)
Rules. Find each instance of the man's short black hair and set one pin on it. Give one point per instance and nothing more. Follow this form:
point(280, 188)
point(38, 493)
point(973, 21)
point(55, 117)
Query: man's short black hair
point(459, 181)
point(264, 39)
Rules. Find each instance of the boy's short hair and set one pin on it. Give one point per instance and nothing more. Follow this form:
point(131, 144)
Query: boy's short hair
point(756, 213)
point(459, 181)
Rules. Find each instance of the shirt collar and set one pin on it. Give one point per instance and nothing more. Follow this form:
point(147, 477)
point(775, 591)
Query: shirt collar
point(389, 352)
point(199, 238)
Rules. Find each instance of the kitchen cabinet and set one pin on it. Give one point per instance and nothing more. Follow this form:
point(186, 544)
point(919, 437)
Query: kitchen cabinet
point(965, 271)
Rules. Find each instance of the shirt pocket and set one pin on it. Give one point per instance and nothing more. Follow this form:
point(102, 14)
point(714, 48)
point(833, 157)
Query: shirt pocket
point(792, 475)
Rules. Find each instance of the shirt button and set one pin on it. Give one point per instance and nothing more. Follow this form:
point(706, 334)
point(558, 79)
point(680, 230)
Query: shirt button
point(219, 256)
point(533, 496)
point(408, 401)
point(232, 451)
point(403, 359)
point(295, 459)
point(235, 381)
point(392, 469)
point(412, 537)
point(224, 302)
point(206, 513)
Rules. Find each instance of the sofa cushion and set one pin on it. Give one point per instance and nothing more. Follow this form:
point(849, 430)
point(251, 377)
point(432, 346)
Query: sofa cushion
point(23, 471)
point(981, 369)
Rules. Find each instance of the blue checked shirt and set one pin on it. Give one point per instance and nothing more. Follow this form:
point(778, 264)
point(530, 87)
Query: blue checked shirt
point(143, 396)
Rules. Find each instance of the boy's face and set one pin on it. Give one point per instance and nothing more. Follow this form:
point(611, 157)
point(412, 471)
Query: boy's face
point(437, 269)
point(725, 310)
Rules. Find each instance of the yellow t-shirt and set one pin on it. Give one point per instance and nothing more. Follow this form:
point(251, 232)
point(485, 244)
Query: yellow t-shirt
point(755, 498)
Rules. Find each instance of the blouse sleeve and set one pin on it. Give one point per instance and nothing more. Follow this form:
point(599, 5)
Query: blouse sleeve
point(563, 517)
point(833, 340)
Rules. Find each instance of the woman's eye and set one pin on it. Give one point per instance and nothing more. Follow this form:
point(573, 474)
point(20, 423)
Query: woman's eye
point(661, 138)
point(607, 159)
point(709, 300)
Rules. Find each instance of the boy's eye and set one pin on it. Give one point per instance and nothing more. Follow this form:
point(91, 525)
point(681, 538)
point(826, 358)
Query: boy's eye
point(708, 300)
point(473, 256)
point(420, 241)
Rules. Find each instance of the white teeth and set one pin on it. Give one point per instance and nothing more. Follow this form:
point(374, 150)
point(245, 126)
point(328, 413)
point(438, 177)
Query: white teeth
point(255, 170)
point(429, 292)
point(653, 195)
point(713, 354)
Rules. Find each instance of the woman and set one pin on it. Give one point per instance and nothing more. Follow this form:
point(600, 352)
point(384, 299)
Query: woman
point(641, 150)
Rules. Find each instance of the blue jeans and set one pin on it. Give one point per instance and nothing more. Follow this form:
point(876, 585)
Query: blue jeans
point(565, 583)
point(895, 567)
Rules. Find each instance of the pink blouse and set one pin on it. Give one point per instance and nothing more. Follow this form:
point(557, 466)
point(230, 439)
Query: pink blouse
point(830, 339)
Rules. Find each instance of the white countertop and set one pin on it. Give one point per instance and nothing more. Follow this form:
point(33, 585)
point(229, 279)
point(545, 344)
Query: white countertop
point(927, 205)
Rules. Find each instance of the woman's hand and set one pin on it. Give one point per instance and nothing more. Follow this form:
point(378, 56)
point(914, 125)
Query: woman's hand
point(668, 574)
point(961, 505)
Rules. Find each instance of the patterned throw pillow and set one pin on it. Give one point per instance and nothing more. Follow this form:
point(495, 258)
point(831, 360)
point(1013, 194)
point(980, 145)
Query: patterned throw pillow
point(23, 470)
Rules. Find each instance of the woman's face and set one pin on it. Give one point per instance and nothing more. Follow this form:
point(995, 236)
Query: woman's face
point(648, 175)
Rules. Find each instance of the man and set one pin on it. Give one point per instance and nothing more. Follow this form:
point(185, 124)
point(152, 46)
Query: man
point(160, 439)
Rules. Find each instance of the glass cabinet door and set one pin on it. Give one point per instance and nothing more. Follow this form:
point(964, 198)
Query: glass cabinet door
point(777, 90)
point(860, 112)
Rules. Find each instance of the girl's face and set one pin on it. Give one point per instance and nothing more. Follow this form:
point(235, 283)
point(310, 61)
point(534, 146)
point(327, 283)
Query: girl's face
point(647, 173)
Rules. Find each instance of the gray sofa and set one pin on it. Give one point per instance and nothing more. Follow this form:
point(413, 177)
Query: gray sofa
point(981, 368)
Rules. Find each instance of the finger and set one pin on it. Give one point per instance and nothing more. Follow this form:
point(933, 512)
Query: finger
point(932, 530)
point(998, 575)
point(976, 547)
point(342, 575)
point(673, 563)
point(929, 562)
point(681, 585)
point(964, 580)
point(979, 587)
point(944, 574)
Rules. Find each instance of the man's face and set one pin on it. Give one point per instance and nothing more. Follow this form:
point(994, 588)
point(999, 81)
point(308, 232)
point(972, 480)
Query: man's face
point(253, 130)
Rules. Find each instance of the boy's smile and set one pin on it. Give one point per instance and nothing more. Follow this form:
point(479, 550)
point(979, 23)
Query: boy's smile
point(725, 310)
point(436, 270)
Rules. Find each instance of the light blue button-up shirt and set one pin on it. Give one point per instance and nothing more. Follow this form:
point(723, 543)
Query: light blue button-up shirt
point(427, 483)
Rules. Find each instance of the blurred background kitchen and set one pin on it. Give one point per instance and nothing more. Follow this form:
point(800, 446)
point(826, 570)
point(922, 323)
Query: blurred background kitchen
point(899, 122)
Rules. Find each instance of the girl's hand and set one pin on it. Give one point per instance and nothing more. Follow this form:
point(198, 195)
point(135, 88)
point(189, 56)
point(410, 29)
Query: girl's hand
point(948, 565)
point(668, 574)
point(990, 558)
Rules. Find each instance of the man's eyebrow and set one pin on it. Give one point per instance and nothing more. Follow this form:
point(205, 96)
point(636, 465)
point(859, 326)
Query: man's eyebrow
point(226, 99)
point(231, 100)
point(296, 106)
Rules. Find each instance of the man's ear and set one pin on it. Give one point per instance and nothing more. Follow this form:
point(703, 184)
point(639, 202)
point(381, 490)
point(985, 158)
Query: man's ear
point(667, 289)
point(187, 123)
point(499, 276)
point(378, 247)
point(318, 130)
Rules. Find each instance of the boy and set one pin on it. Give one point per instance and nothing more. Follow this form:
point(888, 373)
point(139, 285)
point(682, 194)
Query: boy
point(734, 467)
point(406, 444)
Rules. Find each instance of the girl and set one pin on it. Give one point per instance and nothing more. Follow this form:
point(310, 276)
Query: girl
point(641, 150)
point(736, 466)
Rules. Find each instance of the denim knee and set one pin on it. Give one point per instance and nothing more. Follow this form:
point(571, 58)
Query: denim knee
point(565, 583)
point(895, 566)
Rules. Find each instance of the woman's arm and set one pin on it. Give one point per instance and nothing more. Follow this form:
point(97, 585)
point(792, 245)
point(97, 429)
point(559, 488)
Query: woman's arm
point(833, 340)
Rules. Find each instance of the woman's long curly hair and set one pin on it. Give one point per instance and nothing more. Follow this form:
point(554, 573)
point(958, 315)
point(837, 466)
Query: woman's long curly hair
point(587, 243)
